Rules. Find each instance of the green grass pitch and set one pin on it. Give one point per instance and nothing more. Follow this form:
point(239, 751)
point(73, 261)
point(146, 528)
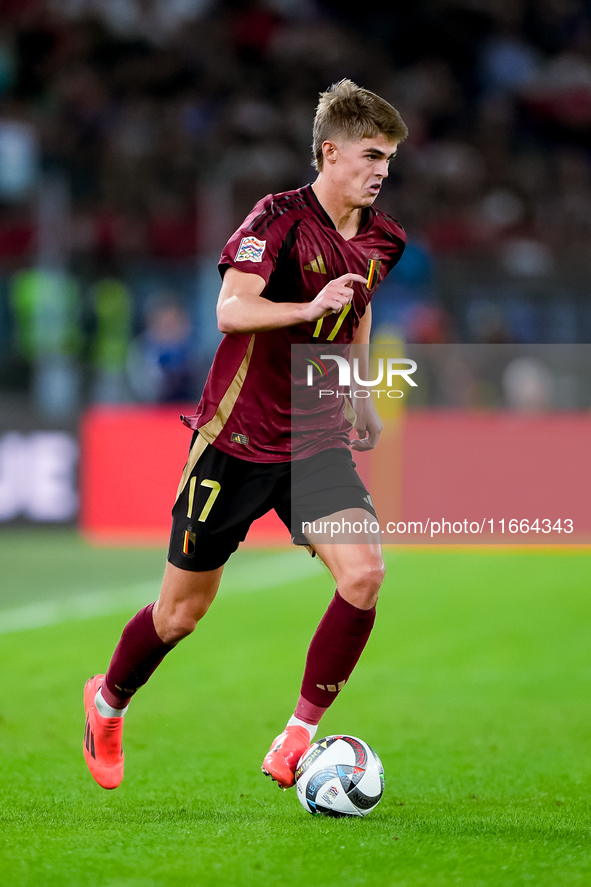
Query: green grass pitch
point(475, 690)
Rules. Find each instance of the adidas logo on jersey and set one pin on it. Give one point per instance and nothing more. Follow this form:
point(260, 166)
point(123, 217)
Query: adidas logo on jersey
point(316, 265)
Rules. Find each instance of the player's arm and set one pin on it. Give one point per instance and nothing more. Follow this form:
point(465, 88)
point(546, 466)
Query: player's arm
point(368, 424)
point(242, 308)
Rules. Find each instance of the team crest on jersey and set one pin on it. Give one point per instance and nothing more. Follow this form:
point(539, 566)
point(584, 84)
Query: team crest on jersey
point(250, 250)
point(373, 272)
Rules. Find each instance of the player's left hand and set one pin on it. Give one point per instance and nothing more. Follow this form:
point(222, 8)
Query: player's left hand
point(368, 425)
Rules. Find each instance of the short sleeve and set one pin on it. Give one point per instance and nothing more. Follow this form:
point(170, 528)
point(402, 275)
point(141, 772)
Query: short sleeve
point(255, 246)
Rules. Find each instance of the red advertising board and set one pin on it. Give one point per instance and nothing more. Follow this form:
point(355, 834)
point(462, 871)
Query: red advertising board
point(132, 458)
point(429, 466)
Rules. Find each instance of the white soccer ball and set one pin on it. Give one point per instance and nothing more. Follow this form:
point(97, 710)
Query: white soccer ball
point(340, 776)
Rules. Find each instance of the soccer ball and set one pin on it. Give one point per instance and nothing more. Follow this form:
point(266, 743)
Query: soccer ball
point(340, 776)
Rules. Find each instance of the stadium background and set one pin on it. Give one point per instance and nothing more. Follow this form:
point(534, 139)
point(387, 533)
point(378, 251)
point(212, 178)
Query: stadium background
point(134, 137)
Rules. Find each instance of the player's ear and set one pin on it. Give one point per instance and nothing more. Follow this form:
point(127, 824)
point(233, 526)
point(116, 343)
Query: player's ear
point(329, 151)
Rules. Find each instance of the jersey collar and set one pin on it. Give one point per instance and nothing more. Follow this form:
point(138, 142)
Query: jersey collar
point(314, 203)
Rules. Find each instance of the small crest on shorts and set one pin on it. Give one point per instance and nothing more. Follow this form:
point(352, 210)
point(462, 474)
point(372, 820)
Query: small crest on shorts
point(239, 438)
point(250, 250)
point(189, 543)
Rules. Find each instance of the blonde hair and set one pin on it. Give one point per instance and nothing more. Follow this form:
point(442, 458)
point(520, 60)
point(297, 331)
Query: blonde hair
point(354, 113)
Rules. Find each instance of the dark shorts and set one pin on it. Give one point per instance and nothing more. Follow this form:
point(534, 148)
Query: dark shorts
point(223, 495)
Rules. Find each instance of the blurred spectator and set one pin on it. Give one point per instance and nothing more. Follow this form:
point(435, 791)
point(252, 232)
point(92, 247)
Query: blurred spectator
point(508, 63)
point(17, 235)
point(46, 306)
point(528, 385)
point(161, 362)
point(113, 310)
point(486, 324)
point(172, 229)
point(147, 108)
point(560, 95)
point(19, 163)
point(406, 301)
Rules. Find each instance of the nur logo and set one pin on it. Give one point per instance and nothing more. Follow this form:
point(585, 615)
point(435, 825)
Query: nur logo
point(315, 364)
point(395, 366)
point(390, 371)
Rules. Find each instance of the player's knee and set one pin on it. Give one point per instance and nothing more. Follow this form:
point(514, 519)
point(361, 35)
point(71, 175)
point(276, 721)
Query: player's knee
point(371, 575)
point(362, 586)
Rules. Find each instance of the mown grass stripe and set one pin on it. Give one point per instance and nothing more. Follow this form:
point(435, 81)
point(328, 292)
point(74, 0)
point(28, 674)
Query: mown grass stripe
point(254, 574)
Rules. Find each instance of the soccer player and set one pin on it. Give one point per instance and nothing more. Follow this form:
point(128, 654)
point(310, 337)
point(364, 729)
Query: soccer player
point(302, 268)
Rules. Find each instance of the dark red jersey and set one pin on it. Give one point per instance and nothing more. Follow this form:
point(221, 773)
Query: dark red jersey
point(291, 242)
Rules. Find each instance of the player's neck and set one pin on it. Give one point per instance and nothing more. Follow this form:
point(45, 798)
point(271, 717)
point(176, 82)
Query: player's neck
point(346, 218)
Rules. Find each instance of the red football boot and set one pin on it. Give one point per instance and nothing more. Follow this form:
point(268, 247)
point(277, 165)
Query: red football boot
point(102, 739)
point(281, 761)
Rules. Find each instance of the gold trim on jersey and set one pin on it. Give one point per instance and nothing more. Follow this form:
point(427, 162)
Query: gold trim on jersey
point(212, 429)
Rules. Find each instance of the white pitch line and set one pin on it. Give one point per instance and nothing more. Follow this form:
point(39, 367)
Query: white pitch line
point(266, 571)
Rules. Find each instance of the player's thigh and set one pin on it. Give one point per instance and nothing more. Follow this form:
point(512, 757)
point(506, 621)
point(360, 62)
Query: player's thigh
point(332, 511)
point(185, 597)
point(322, 486)
point(353, 554)
point(218, 500)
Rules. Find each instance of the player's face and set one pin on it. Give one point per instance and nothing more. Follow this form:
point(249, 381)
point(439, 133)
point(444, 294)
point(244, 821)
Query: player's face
point(359, 168)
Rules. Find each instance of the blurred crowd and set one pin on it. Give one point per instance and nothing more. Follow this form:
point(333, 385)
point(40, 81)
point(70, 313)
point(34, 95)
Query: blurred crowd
point(156, 124)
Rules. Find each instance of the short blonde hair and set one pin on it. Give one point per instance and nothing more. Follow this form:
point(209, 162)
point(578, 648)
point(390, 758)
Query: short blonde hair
point(354, 113)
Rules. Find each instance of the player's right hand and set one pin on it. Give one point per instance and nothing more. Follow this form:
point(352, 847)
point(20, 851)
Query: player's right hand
point(334, 296)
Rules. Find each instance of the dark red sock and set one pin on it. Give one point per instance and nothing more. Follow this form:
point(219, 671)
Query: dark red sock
point(139, 652)
point(333, 654)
